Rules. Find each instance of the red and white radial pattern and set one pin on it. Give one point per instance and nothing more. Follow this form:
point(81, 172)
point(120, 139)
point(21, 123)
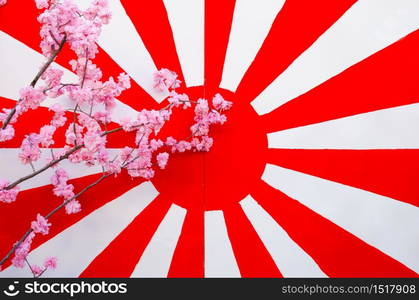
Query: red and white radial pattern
point(315, 174)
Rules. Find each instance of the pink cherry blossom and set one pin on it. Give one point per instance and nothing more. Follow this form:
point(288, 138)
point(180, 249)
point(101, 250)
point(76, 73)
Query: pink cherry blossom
point(42, 4)
point(50, 263)
point(52, 77)
point(201, 109)
point(40, 225)
point(7, 195)
point(59, 118)
point(3, 2)
point(170, 141)
point(179, 99)
point(7, 134)
point(162, 159)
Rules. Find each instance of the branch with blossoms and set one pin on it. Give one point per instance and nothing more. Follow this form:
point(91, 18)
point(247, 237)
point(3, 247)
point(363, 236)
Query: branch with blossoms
point(93, 101)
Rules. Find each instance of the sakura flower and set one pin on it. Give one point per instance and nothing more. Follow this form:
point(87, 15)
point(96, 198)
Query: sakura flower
point(3, 2)
point(29, 150)
point(46, 135)
point(182, 146)
point(31, 98)
point(170, 141)
point(165, 79)
point(52, 77)
point(59, 118)
point(36, 270)
point(41, 4)
point(40, 225)
point(179, 99)
point(61, 187)
point(162, 159)
point(155, 144)
point(73, 207)
point(7, 195)
point(204, 144)
point(201, 109)
point(22, 251)
point(50, 263)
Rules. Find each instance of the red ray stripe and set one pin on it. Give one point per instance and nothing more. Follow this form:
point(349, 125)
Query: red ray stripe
point(296, 27)
point(136, 97)
point(152, 23)
point(16, 217)
point(391, 173)
point(218, 19)
point(252, 257)
point(188, 259)
point(385, 79)
point(123, 253)
point(337, 252)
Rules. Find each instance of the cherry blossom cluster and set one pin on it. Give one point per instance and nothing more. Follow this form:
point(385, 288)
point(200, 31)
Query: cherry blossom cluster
point(3, 2)
point(93, 101)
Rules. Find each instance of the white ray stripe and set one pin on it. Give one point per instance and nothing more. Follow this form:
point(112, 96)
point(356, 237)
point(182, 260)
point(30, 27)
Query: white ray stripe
point(79, 244)
point(367, 27)
point(389, 225)
point(392, 128)
point(252, 21)
point(219, 256)
point(186, 18)
point(21, 63)
point(122, 42)
point(11, 168)
point(157, 256)
point(291, 260)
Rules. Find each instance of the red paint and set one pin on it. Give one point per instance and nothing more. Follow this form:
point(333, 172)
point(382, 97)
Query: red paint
point(41, 200)
point(391, 173)
point(385, 79)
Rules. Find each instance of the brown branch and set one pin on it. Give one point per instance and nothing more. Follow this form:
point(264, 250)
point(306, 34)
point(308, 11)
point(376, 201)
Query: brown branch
point(51, 213)
point(56, 161)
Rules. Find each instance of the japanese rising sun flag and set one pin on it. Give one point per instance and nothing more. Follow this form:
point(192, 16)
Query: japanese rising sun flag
point(315, 174)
